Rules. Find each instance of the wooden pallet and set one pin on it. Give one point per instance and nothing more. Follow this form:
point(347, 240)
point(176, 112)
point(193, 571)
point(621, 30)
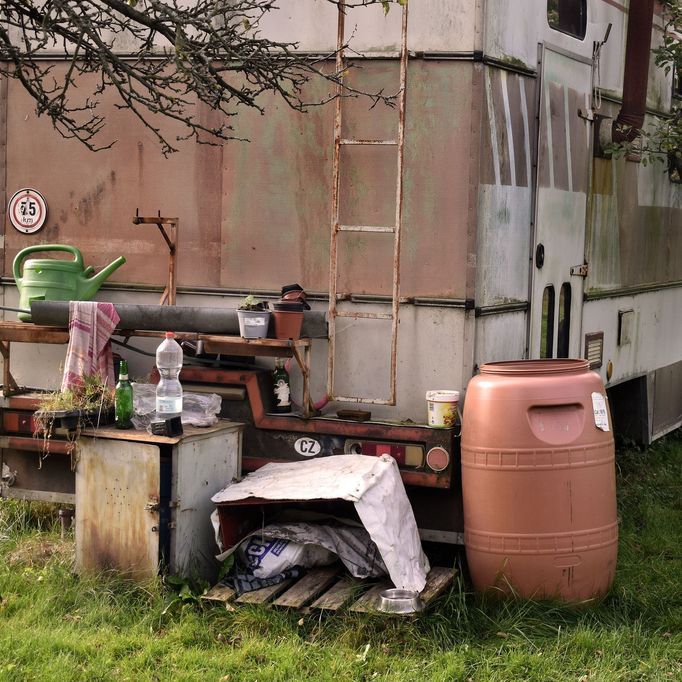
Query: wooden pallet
point(324, 589)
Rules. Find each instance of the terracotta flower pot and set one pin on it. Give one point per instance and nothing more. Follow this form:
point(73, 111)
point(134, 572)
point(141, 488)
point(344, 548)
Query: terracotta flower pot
point(288, 324)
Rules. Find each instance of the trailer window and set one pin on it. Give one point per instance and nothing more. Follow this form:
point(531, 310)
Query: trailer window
point(547, 329)
point(564, 321)
point(568, 16)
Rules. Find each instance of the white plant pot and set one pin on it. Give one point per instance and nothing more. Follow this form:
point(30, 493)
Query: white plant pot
point(253, 324)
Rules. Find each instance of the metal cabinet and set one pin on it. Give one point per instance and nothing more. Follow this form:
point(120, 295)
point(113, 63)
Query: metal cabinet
point(144, 502)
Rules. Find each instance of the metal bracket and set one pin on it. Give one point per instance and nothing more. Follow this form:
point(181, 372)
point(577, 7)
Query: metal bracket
point(587, 114)
point(579, 270)
point(152, 506)
point(171, 239)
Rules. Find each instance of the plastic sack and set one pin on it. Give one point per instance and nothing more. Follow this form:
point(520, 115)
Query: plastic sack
point(198, 409)
point(266, 557)
point(351, 544)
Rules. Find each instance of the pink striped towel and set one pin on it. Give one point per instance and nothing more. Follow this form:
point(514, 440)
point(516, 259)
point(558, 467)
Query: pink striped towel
point(89, 353)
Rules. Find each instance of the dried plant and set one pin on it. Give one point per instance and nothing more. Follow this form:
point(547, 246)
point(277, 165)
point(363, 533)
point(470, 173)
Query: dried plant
point(88, 402)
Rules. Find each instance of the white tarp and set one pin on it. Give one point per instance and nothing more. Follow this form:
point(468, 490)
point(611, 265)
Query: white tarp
point(372, 483)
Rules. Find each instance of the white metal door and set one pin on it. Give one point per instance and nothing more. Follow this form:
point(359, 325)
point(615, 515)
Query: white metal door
point(202, 466)
point(563, 159)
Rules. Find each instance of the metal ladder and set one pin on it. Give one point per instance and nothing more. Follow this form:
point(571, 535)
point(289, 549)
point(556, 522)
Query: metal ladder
point(337, 228)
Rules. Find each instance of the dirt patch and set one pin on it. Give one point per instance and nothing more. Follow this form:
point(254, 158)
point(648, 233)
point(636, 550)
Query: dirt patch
point(36, 552)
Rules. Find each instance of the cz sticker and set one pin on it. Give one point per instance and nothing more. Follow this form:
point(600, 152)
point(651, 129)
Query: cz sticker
point(307, 447)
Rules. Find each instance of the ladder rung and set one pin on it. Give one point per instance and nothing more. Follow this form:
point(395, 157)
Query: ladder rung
point(365, 316)
point(391, 143)
point(365, 228)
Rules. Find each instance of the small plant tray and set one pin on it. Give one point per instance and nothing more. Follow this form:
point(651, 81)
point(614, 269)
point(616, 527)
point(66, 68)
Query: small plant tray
point(71, 419)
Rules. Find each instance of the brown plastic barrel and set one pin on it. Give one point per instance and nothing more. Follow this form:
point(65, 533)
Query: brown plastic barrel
point(538, 481)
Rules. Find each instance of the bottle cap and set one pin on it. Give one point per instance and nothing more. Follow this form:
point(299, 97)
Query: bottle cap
point(170, 335)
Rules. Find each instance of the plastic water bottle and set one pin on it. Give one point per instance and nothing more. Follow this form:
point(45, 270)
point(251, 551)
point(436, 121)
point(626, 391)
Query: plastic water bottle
point(169, 390)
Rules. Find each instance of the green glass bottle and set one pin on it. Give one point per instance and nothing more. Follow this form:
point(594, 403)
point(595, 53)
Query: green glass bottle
point(281, 388)
point(123, 399)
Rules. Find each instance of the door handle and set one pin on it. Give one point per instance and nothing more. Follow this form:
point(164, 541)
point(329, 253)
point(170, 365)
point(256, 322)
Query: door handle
point(539, 256)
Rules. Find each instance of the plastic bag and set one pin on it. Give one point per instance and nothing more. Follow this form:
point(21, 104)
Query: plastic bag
point(198, 409)
point(266, 557)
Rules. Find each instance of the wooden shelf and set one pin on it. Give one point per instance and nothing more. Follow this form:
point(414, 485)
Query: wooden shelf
point(298, 349)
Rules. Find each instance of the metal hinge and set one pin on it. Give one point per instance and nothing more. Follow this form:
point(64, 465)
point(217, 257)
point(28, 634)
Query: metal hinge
point(579, 270)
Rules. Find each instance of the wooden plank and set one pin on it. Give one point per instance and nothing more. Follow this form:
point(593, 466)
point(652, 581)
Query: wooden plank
point(437, 581)
point(369, 602)
point(37, 495)
point(25, 332)
point(113, 433)
point(265, 594)
point(337, 596)
point(307, 588)
point(221, 593)
point(235, 345)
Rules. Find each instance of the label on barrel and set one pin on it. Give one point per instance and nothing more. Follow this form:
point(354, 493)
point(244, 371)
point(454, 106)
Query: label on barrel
point(601, 417)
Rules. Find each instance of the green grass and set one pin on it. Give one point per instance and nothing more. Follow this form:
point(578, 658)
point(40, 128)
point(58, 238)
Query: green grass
point(56, 626)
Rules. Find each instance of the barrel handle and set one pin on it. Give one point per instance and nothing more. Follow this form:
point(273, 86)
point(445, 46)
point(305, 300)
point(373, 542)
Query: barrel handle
point(16, 267)
point(557, 402)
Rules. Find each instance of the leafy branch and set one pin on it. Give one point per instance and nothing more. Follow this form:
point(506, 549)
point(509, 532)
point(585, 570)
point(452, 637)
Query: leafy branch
point(662, 141)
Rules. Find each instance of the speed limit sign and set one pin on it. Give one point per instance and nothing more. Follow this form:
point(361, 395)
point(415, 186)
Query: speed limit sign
point(27, 210)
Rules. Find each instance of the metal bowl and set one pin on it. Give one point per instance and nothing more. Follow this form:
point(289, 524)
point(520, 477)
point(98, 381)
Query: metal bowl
point(400, 601)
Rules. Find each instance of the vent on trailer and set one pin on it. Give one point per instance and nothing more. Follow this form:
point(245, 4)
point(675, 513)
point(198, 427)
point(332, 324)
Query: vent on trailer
point(594, 349)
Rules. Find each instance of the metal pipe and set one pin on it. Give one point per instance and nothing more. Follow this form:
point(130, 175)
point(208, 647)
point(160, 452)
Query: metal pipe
point(636, 74)
point(177, 318)
point(14, 310)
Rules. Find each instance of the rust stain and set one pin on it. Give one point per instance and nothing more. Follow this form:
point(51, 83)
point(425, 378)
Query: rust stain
point(87, 206)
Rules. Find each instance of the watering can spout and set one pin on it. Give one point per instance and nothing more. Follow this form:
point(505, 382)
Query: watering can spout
point(88, 286)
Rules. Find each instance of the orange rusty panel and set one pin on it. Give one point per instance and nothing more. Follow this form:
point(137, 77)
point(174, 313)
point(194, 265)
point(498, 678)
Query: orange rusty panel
point(367, 186)
point(438, 177)
point(277, 191)
point(114, 482)
point(277, 198)
point(92, 197)
point(257, 215)
point(382, 121)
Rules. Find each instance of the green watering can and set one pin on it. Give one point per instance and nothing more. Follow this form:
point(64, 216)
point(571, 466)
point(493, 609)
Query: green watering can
point(46, 279)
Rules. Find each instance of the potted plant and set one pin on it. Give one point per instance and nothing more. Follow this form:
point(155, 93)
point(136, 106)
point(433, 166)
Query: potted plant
point(254, 317)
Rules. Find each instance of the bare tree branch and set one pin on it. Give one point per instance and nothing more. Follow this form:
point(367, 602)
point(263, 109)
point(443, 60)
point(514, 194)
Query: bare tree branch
point(183, 53)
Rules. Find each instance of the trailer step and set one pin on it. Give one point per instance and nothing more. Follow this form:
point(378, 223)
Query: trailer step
point(323, 589)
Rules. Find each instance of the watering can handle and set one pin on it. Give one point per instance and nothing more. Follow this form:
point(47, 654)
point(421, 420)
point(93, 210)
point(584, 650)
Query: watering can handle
point(77, 257)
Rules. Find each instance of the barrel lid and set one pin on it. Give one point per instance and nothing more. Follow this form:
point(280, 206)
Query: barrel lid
point(535, 367)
